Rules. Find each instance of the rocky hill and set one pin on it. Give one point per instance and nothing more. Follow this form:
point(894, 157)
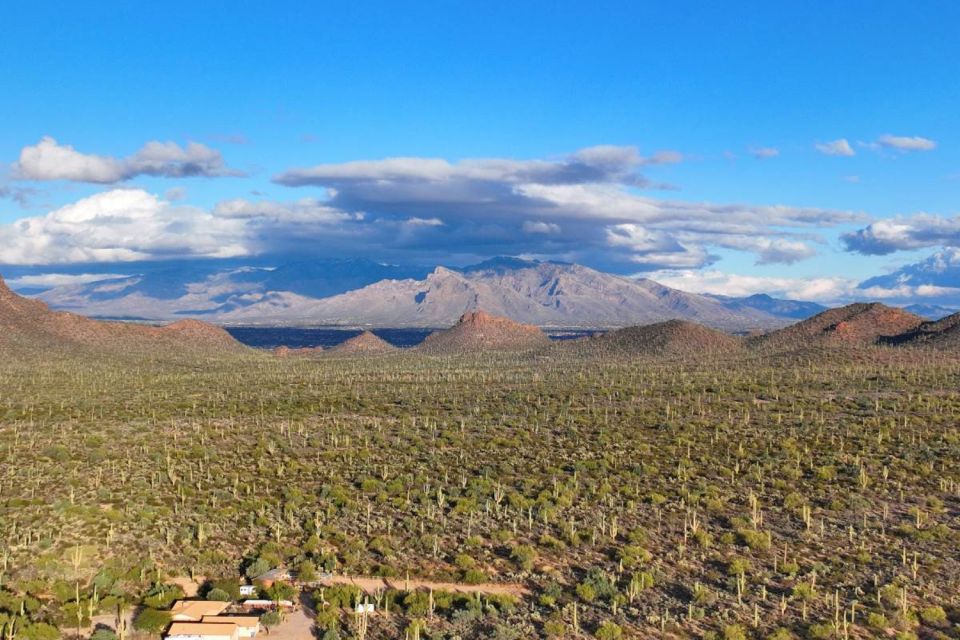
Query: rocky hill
point(663, 339)
point(481, 331)
point(854, 325)
point(29, 325)
point(940, 334)
point(365, 343)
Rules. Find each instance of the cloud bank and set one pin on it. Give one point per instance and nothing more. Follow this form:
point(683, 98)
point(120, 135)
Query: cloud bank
point(584, 205)
point(588, 207)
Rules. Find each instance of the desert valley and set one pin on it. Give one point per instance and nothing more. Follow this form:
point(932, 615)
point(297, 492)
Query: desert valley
point(664, 480)
point(465, 320)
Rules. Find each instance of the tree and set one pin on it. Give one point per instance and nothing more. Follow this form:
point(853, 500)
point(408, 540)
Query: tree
point(227, 585)
point(281, 591)
point(152, 621)
point(270, 620)
point(307, 571)
point(257, 568)
point(219, 595)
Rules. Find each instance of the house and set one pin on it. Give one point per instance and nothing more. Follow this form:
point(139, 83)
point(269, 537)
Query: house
point(274, 575)
point(247, 626)
point(266, 605)
point(247, 590)
point(195, 610)
point(203, 631)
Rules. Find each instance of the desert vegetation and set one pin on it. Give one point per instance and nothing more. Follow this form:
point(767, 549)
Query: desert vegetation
point(729, 496)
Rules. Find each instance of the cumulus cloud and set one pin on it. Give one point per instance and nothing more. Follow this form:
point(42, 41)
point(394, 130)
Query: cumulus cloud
point(906, 143)
point(903, 233)
point(124, 225)
point(49, 160)
point(115, 226)
point(835, 148)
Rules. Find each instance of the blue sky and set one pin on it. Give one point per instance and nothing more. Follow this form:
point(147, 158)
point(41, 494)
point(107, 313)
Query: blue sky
point(721, 105)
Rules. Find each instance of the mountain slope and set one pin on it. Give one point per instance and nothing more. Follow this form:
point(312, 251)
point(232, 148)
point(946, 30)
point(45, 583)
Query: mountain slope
point(857, 324)
point(662, 339)
point(941, 334)
point(29, 325)
point(481, 331)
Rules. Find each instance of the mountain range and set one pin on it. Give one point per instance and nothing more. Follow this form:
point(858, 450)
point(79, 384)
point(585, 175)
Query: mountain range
point(366, 293)
point(30, 328)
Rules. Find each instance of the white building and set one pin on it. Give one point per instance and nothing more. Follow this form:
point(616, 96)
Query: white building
point(203, 631)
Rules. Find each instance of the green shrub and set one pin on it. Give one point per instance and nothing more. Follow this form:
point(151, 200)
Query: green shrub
point(609, 631)
point(152, 621)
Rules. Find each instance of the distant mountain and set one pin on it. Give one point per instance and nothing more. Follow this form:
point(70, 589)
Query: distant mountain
point(794, 309)
point(481, 331)
point(541, 293)
point(368, 293)
point(859, 324)
point(204, 290)
point(930, 311)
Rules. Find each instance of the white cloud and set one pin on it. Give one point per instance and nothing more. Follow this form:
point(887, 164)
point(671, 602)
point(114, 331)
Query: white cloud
point(826, 290)
point(835, 148)
point(50, 280)
point(49, 160)
point(906, 143)
point(764, 153)
point(904, 233)
point(116, 226)
point(123, 225)
point(424, 222)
